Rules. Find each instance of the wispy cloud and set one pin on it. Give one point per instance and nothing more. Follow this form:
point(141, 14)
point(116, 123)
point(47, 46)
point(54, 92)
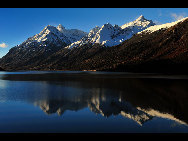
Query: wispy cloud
point(157, 22)
point(160, 13)
point(3, 45)
point(179, 16)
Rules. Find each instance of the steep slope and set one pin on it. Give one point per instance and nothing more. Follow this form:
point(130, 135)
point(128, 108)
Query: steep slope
point(37, 48)
point(109, 35)
point(163, 50)
point(159, 27)
point(73, 35)
point(140, 24)
point(155, 48)
point(36, 51)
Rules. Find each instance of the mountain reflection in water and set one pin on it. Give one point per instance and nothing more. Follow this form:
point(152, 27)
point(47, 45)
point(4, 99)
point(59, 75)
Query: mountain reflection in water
point(137, 97)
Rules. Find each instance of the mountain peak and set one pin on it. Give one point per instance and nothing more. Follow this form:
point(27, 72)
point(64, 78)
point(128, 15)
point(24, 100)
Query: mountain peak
point(141, 21)
point(141, 17)
point(94, 30)
point(161, 26)
point(107, 25)
point(111, 35)
point(48, 27)
point(60, 27)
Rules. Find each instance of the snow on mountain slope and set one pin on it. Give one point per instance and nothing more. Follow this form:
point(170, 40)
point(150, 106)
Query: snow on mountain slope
point(162, 26)
point(86, 39)
point(54, 35)
point(72, 34)
point(50, 34)
point(139, 24)
point(109, 35)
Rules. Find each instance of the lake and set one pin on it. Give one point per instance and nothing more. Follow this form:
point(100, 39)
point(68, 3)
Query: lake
point(92, 102)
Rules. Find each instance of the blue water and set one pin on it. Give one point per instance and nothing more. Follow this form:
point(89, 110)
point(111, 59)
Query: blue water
point(74, 102)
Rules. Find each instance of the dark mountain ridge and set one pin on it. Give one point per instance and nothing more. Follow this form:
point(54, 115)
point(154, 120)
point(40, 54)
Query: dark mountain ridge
point(164, 51)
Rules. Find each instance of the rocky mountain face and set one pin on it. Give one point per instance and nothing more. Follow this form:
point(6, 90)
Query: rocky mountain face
point(109, 35)
point(37, 48)
point(155, 50)
point(138, 46)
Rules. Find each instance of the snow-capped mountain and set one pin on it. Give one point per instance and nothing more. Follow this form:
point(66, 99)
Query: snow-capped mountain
point(139, 24)
point(161, 26)
point(110, 35)
point(57, 36)
point(40, 46)
point(73, 35)
point(85, 40)
point(49, 35)
point(57, 48)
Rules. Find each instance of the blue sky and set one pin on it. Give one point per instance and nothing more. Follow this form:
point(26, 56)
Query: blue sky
point(17, 24)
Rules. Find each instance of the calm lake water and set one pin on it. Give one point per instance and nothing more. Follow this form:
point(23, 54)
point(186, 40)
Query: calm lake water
point(93, 102)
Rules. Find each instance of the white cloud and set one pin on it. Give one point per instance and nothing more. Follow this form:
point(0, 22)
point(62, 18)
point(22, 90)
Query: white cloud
point(3, 45)
point(178, 16)
point(157, 22)
point(160, 13)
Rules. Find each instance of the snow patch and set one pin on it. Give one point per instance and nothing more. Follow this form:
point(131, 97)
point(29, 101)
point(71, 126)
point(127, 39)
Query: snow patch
point(109, 35)
point(162, 26)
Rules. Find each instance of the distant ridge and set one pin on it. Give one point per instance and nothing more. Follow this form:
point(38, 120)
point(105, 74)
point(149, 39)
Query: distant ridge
point(109, 35)
point(138, 46)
